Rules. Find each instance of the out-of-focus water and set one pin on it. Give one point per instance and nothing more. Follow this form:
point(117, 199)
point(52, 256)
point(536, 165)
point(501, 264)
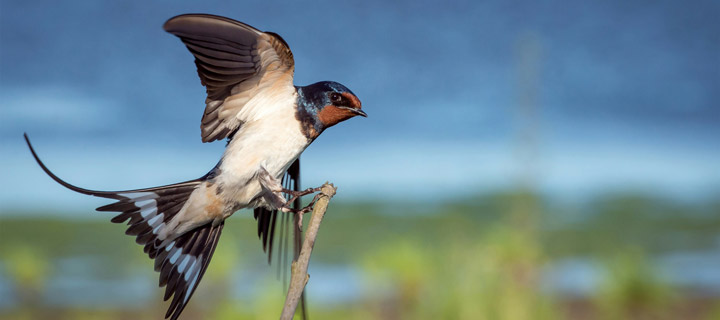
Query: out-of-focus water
point(73, 284)
point(616, 95)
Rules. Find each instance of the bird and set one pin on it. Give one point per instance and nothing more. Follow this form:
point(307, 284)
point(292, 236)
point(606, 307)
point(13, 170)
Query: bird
point(267, 121)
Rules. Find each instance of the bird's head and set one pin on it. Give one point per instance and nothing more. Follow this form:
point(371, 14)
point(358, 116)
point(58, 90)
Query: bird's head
point(325, 104)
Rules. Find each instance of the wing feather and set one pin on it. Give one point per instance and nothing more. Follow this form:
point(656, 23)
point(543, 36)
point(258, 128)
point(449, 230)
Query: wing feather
point(235, 62)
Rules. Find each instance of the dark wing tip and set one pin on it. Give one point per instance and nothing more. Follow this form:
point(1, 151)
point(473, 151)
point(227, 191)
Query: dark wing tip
point(176, 23)
point(202, 23)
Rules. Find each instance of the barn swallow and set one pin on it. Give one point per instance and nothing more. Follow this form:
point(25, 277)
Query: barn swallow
point(268, 122)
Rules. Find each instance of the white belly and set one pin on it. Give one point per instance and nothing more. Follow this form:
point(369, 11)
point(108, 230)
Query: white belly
point(269, 138)
point(271, 144)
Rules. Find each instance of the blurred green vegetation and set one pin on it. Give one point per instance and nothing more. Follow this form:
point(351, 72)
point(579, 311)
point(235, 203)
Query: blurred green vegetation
point(476, 258)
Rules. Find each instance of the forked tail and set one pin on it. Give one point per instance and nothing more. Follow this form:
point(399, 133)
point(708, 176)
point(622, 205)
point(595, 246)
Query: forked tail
point(181, 262)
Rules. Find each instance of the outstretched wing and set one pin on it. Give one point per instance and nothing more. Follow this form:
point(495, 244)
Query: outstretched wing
point(238, 65)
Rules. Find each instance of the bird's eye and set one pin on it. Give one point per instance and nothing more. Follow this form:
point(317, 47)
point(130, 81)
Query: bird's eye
point(335, 97)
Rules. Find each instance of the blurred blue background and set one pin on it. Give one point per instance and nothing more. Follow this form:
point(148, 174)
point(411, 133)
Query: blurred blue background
point(623, 95)
point(570, 101)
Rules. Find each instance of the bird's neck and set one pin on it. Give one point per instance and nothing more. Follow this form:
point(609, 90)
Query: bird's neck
point(307, 109)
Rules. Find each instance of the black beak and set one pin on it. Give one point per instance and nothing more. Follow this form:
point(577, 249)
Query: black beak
point(359, 112)
point(356, 111)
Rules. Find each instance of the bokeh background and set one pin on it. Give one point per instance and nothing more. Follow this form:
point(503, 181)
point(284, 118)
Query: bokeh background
point(521, 160)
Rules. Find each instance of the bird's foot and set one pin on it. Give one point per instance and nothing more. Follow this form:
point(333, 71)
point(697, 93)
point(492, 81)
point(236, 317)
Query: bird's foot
point(294, 195)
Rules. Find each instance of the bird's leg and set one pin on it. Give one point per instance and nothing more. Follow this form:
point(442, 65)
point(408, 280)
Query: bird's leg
point(273, 194)
point(296, 194)
point(304, 210)
point(272, 190)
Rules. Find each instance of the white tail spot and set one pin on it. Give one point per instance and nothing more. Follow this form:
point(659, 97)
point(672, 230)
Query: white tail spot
point(149, 203)
point(174, 255)
point(157, 229)
point(139, 196)
point(149, 211)
point(155, 220)
point(195, 273)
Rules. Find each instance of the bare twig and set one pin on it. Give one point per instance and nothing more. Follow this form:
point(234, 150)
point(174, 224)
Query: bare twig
point(299, 276)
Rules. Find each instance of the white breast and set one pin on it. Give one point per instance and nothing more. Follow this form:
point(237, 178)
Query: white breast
point(272, 142)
